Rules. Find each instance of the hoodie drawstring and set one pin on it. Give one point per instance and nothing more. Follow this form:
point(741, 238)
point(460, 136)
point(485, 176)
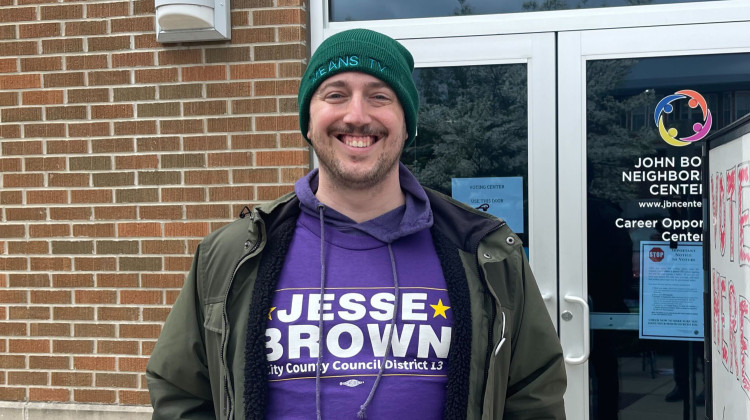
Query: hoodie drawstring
point(362, 413)
point(363, 408)
point(321, 209)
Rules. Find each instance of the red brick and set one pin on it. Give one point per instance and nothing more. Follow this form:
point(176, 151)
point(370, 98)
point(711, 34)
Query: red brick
point(181, 126)
point(41, 64)
point(207, 211)
point(272, 192)
point(204, 73)
point(204, 108)
point(62, 45)
point(139, 330)
point(117, 347)
point(47, 197)
point(195, 229)
point(70, 213)
point(49, 362)
point(66, 79)
point(228, 54)
point(94, 363)
point(18, 14)
point(206, 177)
point(64, 12)
point(50, 329)
point(73, 346)
point(109, 43)
point(29, 280)
point(252, 35)
point(229, 124)
point(277, 123)
point(252, 71)
point(86, 62)
point(96, 129)
point(172, 195)
point(95, 264)
point(111, 77)
point(278, 17)
point(135, 127)
point(13, 296)
point(91, 196)
point(50, 296)
point(88, 95)
point(15, 362)
point(134, 24)
point(112, 111)
point(12, 394)
point(141, 297)
point(28, 312)
point(155, 314)
point(116, 314)
point(107, 10)
point(139, 229)
point(28, 213)
point(49, 230)
point(86, 27)
point(72, 379)
point(146, 40)
point(95, 296)
point(94, 396)
point(162, 281)
point(95, 330)
point(14, 49)
point(23, 180)
point(159, 213)
point(116, 280)
point(246, 193)
point(21, 114)
point(10, 131)
point(69, 180)
point(8, 65)
point(13, 329)
point(42, 97)
point(282, 158)
point(73, 280)
point(254, 141)
point(229, 90)
point(93, 230)
point(8, 98)
point(49, 394)
point(51, 264)
point(254, 106)
point(115, 212)
point(12, 231)
point(11, 197)
point(163, 75)
point(27, 378)
point(132, 364)
point(28, 247)
point(180, 57)
point(28, 346)
point(20, 81)
point(116, 380)
point(135, 59)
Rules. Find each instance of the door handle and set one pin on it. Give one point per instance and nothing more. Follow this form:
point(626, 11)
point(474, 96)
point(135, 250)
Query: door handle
point(585, 309)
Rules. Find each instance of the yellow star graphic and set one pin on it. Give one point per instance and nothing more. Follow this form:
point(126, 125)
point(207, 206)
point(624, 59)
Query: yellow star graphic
point(269, 313)
point(440, 309)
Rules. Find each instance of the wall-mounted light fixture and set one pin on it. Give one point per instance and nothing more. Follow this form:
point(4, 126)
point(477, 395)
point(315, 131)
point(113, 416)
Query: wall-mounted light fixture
point(192, 20)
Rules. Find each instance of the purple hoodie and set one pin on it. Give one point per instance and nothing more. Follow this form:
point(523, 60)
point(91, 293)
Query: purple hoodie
point(360, 271)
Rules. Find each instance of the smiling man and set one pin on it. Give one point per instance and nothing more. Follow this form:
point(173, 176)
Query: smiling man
point(361, 294)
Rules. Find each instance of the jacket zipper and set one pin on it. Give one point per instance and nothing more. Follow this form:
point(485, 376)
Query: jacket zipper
point(225, 318)
point(490, 334)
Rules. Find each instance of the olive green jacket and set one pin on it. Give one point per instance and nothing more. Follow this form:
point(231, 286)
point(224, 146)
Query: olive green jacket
point(199, 367)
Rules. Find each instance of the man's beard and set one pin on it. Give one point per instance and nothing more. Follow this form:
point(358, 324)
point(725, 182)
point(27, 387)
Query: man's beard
point(342, 178)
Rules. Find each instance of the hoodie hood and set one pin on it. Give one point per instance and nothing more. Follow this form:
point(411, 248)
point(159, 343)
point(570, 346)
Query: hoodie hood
point(414, 216)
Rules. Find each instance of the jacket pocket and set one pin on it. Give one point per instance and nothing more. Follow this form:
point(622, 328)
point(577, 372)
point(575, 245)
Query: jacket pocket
point(214, 318)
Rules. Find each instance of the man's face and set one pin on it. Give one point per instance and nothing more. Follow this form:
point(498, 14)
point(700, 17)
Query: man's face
point(357, 129)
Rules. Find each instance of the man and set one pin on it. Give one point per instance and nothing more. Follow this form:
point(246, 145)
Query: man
point(361, 293)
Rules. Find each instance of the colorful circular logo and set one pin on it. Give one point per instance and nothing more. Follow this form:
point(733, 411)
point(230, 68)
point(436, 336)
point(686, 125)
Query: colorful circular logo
point(665, 107)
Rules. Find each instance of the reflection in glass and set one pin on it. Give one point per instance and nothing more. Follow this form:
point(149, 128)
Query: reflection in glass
point(353, 10)
point(639, 182)
point(472, 124)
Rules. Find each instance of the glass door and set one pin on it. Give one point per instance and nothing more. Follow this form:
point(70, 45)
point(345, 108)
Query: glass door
point(486, 134)
point(633, 107)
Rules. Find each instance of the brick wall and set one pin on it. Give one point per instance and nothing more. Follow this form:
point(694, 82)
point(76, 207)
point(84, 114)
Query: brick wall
point(117, 155)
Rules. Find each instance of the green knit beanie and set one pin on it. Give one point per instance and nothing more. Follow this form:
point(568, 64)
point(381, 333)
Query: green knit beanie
point(364, 51)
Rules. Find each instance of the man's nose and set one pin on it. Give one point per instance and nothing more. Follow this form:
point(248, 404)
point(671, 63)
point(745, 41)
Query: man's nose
point(357, 111)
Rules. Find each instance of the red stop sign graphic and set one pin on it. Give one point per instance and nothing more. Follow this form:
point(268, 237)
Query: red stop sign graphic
point(656, 254)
